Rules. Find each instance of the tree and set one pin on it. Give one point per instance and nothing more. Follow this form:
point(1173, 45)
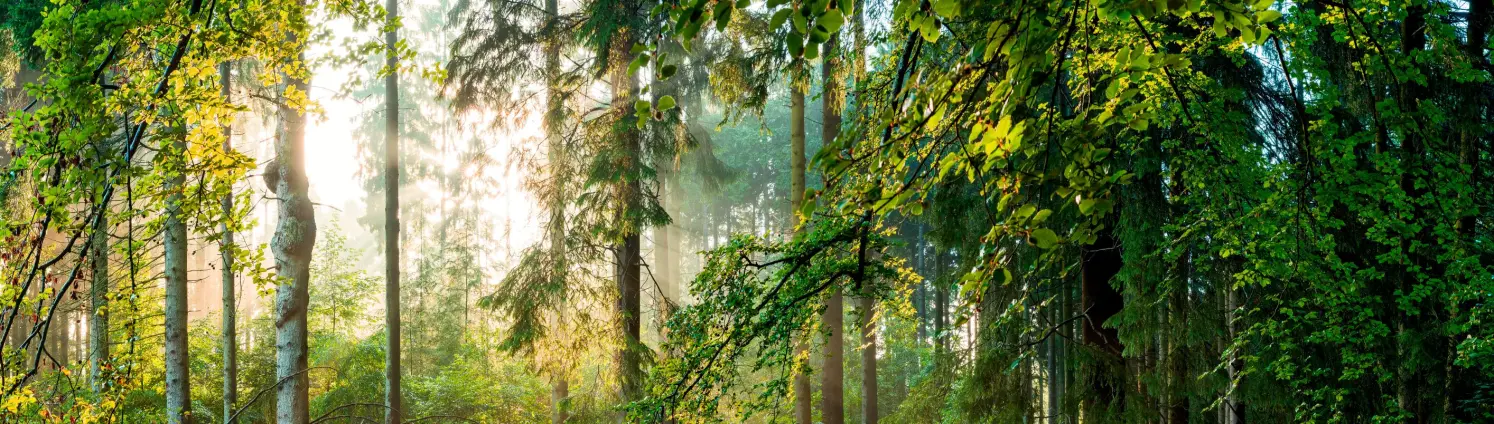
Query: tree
point(832, 388)
point(803, 398)
point(295, 236)
point(226, 249)
point(392, 399)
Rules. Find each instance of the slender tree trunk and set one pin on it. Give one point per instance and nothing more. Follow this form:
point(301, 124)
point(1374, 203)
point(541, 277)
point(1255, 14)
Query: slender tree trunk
point(803, 398)
point(98, 296)
point(178, 380)
point(1234, 408)
point(629, 260)
point(833, 379)
point(560, 393)
point(941, 300)
point(225, 249)
point(869, 413)
point(393, 401)
point(554, 118)
point(295, 236)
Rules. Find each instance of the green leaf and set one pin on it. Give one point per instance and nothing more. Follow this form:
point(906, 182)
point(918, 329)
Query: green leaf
point(1267, 16)
point(1044, 238)
point(1041, 216)
point(832, 20)
point(779, 18)
point(642, 106)
point(947, 8)
point(666, 103)
point(1087, 205)
point(930, 29)
point(667, 71)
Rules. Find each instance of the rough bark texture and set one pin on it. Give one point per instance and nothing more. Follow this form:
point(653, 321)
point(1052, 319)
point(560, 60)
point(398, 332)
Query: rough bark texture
point(802, 396)
point(295, 235)
point(393, 406)
point(230, 304)
point(832, 385)
point(178, 389)
point(98, 292)
point(629, 256)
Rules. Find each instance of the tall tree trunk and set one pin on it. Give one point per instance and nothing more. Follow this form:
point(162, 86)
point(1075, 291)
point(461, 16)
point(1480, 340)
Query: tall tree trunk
point(833, 379)
point(560, 393)
point(295, 236)
point(178, 380)
point(1234, 409)
point(1101, 261)
point(941, 300)
point(554, 118)
point(803, 398)
point(225, 249)
point(1409, 377)
point(1177, 358)
point(98, 297)
point(393, 404)
point(869, 412)
point(629, 256)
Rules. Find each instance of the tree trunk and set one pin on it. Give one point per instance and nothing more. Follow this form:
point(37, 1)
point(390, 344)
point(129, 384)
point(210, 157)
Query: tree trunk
point(554, 116)
point(833, 384)
point(1409, 377)
point(225, 249)
point(560, 393)
point(178, 380)
point(394, 406)
point(98, 296)
point(941, 300)
point(295, 236)
point(869, 413)
point(1100, 262)
point(1234, 408)
point(803, 413)
point(629, 256)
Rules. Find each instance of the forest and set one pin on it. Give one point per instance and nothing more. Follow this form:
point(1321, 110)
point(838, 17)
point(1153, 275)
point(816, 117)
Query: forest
point(746, 211)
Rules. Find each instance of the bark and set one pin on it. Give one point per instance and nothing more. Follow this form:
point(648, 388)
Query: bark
point(869, 413)
point(560, 393)
point(1409, 377)
point(803, 398)
point(1101, 261)
point(554, 114)
point(394, 407)
point(230, 308)
point(1234, 408)
point(629, 256)
point(178, 380)
point(295, 236)
point(98, 292)
point(833, 379)
point(941, 300)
